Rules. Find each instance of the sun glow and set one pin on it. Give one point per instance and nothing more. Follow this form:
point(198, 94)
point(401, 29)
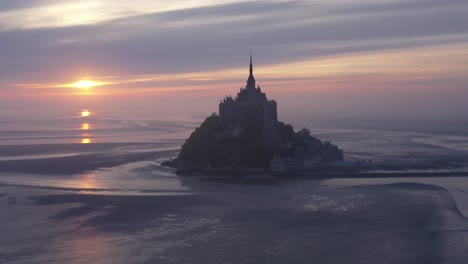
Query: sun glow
point(85, 84)
point(85, 141)
point(85, 113)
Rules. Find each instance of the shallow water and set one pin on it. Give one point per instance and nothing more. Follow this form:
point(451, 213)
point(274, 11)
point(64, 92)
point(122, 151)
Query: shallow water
point(65, 199)
point(457, 186)
point(124, 154)
point(96, 128)
point(298, 222)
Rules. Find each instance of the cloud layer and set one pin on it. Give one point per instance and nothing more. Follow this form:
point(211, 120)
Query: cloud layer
point(353, 45)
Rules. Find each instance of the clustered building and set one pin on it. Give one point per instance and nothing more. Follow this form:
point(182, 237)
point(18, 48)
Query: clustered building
point(250, 108)
point(251, 111)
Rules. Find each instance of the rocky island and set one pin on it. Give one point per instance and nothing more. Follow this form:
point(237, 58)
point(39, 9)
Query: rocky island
point(247, 138)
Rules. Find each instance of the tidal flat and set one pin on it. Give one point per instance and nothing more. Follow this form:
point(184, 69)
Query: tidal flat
point(113, 202)
point(296, 222)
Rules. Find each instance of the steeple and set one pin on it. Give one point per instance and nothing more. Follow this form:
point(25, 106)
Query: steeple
point(251, 68)
point(251, 80)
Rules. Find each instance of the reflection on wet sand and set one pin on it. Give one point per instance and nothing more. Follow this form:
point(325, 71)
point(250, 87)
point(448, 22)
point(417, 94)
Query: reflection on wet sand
point(88, 181)
point(88, 245)
point(173, 229)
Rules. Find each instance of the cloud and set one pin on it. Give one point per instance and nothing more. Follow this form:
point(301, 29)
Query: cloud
point(8, 5)
point(62, 13)
point(373, 7)
point(219, 36)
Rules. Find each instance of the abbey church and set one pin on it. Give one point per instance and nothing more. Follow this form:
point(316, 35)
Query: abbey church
point(250, 109)
point(246, 136)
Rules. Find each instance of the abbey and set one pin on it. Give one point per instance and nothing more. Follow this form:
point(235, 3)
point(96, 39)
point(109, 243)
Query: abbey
point(250, 110)
point(247, 137)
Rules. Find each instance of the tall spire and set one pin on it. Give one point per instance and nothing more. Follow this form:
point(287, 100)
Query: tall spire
point(251, 68)
point(251, 80)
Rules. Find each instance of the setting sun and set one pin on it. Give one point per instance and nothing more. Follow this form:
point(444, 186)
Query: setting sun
point(85, 84)
point(85, 113)
point(85, 141)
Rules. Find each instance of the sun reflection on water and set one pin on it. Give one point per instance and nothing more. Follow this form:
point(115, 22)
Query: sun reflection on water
point(85, 126)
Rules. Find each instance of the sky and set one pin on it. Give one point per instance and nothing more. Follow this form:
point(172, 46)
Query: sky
point(319, 59)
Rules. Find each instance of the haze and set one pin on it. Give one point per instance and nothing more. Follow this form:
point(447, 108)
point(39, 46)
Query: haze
point(340, 60)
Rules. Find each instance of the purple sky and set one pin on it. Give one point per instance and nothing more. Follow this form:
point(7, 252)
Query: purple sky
point(318, 59)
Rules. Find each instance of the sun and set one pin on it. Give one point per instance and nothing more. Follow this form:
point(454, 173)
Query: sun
point(85, 84)
point(85, 113)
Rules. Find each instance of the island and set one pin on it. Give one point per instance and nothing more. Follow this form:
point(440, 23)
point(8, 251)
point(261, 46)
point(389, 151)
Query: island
point(247, 138)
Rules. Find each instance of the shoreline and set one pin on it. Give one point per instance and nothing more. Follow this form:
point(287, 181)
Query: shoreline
point(319, 176)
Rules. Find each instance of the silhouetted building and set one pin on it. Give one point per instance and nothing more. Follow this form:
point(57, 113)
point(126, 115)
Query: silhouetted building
point(250, 109)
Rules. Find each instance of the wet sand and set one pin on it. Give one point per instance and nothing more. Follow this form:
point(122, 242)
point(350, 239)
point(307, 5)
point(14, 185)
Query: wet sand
point(85, 158)
point(114, 203)
point(297, 222)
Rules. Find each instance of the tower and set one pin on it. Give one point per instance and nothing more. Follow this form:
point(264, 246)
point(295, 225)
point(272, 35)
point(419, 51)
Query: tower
point(250, 110)
point(251, 79)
